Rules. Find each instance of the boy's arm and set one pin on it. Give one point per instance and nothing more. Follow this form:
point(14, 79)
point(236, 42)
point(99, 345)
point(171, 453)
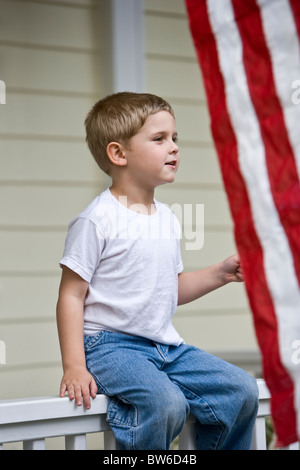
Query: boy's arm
point(192, 285)
point(77, 381)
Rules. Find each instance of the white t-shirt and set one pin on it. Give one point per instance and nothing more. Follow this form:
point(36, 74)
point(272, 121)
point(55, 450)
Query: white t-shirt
point(131, 262)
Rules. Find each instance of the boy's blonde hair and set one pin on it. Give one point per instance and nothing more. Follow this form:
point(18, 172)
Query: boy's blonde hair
point(117, 118)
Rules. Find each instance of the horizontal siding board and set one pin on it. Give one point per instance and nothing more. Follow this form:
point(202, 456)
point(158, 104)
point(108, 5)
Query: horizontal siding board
point(174, 78)
point(36, 299)
point(46, 24)
point(43, 206)
point(216, 211)
point(57, 161)
point(218, 245)
point(218, 333)
point(72, 3)
point(198, 166)
point(37, 343)
point(44, 115)
point(165, 6)
point(23, 382)
point(168, 36)
point(47, 70)
point(231, 297)
point(30, 252)
point(192, 122)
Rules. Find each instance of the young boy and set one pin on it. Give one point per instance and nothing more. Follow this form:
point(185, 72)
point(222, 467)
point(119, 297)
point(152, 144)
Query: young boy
point(122, 278)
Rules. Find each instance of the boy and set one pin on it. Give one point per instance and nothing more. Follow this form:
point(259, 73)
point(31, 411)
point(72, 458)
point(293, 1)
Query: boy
point(121, 281)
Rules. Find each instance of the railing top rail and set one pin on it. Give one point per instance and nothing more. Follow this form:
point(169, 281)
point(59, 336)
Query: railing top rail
point(264, 393)
point(35, 419)
point(41, 408)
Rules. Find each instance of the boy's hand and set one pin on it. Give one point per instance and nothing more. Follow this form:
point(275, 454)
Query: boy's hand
point(80, 385)
point(232, 269)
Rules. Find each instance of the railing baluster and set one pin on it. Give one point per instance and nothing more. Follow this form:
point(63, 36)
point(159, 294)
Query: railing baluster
point(76, 442)
point(259, 441)
point(109, 441)
point(187, 437)
point(35, 444)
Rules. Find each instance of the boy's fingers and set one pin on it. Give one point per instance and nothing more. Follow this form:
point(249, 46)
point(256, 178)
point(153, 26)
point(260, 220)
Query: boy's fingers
point(62, 391)
point(88, 392)
point(86, 398)
point(69, 389)
point(93, 388)
point(78, 395)
point(81, 393)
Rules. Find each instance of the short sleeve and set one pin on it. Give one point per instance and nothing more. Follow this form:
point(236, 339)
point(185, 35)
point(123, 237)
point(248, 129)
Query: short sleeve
point(83, 248)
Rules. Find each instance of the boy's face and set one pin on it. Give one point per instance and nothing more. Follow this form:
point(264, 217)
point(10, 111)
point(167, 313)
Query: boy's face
point(153, 155)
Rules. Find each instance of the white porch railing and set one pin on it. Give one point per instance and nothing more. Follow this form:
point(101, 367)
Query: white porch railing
point(35, 419)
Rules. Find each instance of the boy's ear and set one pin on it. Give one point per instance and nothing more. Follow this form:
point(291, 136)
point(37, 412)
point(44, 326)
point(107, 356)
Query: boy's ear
point(115, 153)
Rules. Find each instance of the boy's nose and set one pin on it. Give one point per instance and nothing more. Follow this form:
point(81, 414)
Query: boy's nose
point(174, 147)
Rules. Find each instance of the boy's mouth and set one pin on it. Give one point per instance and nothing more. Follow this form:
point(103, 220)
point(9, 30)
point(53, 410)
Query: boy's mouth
point(171, 163)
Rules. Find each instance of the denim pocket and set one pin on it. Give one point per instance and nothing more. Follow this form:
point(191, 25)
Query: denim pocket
point(91, 341)
point(120, 413)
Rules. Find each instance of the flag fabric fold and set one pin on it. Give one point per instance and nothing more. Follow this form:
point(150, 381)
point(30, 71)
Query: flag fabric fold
point(249, 54)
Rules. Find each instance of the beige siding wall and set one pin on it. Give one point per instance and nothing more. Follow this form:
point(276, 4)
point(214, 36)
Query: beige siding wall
point(49, 60)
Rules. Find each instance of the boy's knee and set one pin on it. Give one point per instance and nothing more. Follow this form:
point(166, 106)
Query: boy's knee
point(252, 394)
point(248, 395)
point(171, 406)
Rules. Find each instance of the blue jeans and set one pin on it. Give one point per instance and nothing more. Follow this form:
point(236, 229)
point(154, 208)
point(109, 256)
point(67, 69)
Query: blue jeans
point(153, 387)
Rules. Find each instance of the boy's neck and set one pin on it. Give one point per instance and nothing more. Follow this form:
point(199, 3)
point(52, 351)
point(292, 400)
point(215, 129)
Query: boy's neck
point(137, 199)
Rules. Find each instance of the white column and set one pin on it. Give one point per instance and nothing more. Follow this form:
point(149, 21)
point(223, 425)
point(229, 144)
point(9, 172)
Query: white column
point(122, 45)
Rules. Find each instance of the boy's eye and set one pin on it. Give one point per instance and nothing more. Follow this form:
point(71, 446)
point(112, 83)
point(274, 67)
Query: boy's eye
point(160, 138)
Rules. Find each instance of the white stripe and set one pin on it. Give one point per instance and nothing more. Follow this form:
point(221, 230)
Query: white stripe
point(278, 261)
point(283, 43)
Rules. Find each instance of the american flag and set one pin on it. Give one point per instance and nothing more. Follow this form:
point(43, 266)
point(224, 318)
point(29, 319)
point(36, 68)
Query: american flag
point(249, 54)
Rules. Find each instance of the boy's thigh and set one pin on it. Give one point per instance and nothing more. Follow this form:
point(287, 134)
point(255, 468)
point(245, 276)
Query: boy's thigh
point(128, 367)
point(203, 376)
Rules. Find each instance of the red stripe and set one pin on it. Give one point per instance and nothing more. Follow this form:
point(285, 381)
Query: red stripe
point(295, 6)
point(249, 248)
point(280, 159)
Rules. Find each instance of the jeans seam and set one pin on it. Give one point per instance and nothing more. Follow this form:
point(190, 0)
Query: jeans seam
point(99, 385)
point(135, 421)
point(131, 428)
point(160, 352)
point(183, 388)
point(91, 341)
